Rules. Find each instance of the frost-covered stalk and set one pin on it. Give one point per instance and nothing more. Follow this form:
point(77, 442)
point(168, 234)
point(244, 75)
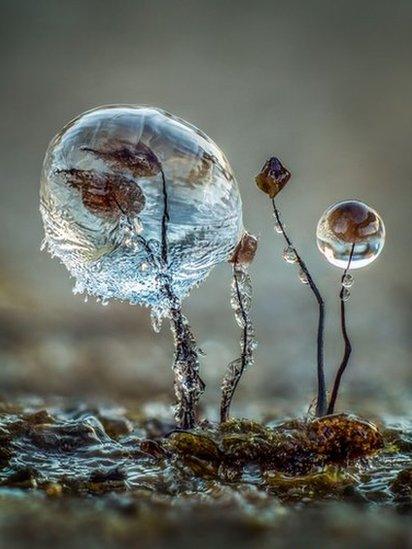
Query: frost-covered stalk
point(346, 283)
point(187, 384)
point(241, 301)
point(271, 180)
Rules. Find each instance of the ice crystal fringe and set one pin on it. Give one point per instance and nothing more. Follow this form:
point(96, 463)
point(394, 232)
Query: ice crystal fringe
point(241, 301)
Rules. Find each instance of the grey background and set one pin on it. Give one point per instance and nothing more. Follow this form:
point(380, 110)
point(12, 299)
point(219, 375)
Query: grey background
point(326, 85)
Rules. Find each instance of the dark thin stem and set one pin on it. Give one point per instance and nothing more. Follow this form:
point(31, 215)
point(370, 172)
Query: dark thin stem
point(188, 391)
point(165, 219)
point(348, 346)
point(188, 384)
point(226, 402)
point(321, 398)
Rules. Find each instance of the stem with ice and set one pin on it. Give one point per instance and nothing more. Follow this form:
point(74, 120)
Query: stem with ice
point(187, 384)
point(241, 300)
point(348, 346)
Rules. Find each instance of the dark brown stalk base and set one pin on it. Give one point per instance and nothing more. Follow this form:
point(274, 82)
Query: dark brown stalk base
point(321, 403)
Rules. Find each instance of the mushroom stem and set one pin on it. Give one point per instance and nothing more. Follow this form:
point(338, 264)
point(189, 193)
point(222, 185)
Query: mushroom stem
point(237, 367)
point(188, 384)
point(321, 397)
point(348, 346)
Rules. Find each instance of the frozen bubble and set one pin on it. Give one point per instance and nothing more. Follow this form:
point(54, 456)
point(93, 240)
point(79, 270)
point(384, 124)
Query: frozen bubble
point(106, 178)
point(349, 223)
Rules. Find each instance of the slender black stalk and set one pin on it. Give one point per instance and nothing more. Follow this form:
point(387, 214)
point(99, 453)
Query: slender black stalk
point(188, 384)
point(321, 398)
point(348, 346)
point(227, 395)
point(165, 219)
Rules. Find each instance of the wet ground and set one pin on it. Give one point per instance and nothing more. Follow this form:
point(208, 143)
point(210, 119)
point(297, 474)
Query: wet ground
point(99, 475)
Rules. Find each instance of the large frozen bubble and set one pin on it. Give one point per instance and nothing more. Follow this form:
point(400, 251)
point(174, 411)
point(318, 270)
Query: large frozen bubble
point(133, 196)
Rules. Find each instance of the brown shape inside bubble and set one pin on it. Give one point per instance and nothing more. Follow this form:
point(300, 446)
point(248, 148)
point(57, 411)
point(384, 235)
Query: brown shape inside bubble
point(353, 222)
point(106, 195)
point(273, 177)
point(120, 155)
point(245, 250)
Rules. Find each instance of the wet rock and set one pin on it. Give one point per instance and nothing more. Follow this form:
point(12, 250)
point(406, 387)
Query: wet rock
point(193, 444)
point(342, 438)
point(114, 425)
point(329, 482)
point(402, 486)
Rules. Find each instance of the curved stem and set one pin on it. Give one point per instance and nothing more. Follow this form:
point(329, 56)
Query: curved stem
point(227, 396)
point(188, 384)
point(348, 346)
point(321, 398)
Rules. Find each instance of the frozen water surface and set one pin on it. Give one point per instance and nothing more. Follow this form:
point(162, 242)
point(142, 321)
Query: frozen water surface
point(134, 196)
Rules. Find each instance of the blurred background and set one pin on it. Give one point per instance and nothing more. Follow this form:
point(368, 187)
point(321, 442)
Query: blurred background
point(324, 85)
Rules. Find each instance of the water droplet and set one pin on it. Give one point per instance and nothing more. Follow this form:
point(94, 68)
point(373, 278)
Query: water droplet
point(303, 277)
point(102, 203)
point(278, 228)
point(86, 298)
point(345, 294)
point(156, 320)
point(347, 281)
point(289, 255)
point(138, 227)
point(347, 223)
point(144, 266)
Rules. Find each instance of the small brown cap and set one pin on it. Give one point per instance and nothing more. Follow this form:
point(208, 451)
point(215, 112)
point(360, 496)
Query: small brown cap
point(273, 177)
point(245, 250)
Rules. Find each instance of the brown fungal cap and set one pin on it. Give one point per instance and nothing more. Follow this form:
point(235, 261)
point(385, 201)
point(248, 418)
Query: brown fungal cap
point(245, 250)
point(138, 158)
point(273, 177)
point(106, 195)
point(353, 221)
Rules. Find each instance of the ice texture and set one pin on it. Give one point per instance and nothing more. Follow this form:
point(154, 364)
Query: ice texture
point(133, 197)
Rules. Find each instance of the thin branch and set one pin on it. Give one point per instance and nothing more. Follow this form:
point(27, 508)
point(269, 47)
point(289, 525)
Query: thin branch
point(188, 384)
point(232, 378)
point(321, 398)
point(165, 219)
point(348, 346)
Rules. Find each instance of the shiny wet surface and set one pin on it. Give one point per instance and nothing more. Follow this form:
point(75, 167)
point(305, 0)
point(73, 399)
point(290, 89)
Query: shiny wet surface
point(108, 476)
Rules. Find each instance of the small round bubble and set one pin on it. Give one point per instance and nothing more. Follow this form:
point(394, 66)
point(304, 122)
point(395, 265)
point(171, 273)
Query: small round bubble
point(347, 281)
point(346, 225)
point(289, 254)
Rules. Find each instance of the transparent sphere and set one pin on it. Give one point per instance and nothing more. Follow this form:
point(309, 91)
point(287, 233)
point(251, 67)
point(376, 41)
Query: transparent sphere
point(347, 223)
point(132, 196)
